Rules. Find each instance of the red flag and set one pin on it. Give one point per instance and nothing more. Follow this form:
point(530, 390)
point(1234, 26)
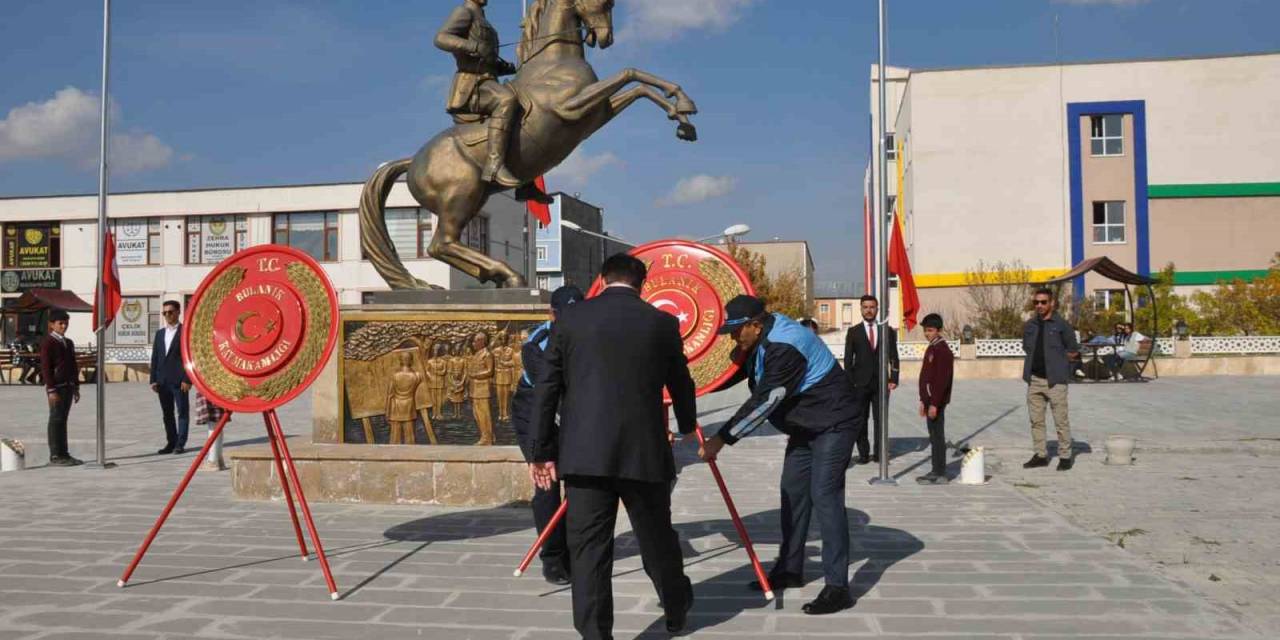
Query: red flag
point(900, 265)
point(110, 283)
point(536, 209)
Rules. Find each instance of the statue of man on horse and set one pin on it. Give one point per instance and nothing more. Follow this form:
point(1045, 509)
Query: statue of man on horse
point(476, 90)
point(507, 135)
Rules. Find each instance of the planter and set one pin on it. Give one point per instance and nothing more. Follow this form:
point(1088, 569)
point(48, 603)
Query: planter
point(12, 456)
point(1120, 449)
point(973, 467)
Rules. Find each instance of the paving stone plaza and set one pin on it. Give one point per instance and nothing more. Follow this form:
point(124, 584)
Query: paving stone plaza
point(1028, 555)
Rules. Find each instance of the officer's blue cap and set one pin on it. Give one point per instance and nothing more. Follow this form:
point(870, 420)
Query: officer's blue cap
point(739, 311)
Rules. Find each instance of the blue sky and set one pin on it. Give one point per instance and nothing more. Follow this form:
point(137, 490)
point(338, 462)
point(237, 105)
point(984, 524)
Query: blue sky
point(254, 92)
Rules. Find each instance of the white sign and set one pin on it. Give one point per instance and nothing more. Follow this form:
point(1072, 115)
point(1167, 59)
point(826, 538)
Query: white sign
point(216, 239)
point(131, 322)
point(131, 242)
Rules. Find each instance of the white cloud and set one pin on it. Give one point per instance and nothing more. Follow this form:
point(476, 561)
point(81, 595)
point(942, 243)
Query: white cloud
point(698, 189)
point(66, 127)
point(1117, 3)
point(579, 167)
point(665, 19)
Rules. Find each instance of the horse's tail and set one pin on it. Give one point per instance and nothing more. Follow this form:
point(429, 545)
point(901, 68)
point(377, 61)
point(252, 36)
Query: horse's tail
point(373, 229)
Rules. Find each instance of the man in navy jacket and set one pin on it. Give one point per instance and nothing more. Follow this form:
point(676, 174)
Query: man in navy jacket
point(797, 386)
point(169, 379)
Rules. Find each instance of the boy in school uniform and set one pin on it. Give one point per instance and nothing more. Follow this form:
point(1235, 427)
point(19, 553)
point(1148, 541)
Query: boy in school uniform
point(935, 394)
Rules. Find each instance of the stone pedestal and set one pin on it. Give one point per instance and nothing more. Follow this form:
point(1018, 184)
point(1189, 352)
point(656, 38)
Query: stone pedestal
point(388, 474)
point(968, 351)
point(350, 457)
point(1181, 348)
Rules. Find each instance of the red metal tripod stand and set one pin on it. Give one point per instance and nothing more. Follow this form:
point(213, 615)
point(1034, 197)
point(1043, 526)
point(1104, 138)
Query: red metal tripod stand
point(283, 460)
point(728, 502)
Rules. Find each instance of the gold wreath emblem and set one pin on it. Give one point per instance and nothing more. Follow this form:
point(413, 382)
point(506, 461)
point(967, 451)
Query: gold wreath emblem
point(227, 384)
point(33, 236)
point(726, 283)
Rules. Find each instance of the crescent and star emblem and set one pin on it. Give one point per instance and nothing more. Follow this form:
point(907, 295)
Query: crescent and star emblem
point(680, 315)
point(240, 320)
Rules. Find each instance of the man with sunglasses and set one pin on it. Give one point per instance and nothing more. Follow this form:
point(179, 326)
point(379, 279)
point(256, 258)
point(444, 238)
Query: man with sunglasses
point(1050, 344)
point(169, 379)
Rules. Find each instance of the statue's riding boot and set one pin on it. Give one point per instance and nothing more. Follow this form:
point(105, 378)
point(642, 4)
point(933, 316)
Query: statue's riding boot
point(495, 168)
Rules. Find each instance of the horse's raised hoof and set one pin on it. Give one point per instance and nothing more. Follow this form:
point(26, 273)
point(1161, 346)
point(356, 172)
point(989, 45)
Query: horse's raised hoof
point(685, 106)
point(687, 132)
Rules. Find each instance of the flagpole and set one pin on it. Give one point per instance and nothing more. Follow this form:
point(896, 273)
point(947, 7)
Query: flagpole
point(100, 330)
point(882, 407)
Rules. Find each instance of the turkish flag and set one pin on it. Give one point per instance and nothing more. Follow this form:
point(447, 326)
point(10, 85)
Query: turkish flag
point(538, 210)
point(110, 283)
point(900, 265)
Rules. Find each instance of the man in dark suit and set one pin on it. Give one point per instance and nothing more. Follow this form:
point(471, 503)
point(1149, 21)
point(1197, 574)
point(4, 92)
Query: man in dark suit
point(61, 384)
point(862, 345)
point(606, 363)
point(169, 379)
point(545, 503)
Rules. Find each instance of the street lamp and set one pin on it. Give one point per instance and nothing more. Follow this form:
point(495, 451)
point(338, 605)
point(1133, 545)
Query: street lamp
point(966, 335)
point(1180, 329)
point(575, 227)
point(731, 232)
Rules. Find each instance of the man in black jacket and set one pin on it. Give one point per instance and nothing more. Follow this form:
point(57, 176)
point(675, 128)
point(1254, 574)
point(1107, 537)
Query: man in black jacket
point(606, 363)
point(798, 387)
point(555, 552)
point(862, 367)
point(169, 379)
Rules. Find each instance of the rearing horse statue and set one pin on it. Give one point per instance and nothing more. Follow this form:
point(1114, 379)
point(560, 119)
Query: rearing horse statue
point(563, 103)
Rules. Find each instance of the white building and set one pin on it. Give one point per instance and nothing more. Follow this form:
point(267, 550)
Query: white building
point(1148, 162)
point(167, 241)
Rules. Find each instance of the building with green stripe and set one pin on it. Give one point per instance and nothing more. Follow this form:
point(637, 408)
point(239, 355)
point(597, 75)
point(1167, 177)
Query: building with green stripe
point(1147, 162)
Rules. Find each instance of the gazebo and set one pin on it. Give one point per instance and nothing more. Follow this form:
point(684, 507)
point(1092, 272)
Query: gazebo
point(1107, 268)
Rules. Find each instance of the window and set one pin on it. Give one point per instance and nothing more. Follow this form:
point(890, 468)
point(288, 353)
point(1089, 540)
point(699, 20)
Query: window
point(542, 252)
point(410, 230)
point(824, 309)
point(891, 147)
point(1108, 223)
point(137, 241)
point(1109, 299)
point(1106, 135)
point(136, 323)
point(846, 313)
point(211, 239)
point(890, 201)
point(476, 234)
point(314, 233)
point(544, 282)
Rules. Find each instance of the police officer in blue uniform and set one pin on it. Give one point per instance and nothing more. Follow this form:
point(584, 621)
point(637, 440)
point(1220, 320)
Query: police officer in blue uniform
point(797, 386)
point(555, 553)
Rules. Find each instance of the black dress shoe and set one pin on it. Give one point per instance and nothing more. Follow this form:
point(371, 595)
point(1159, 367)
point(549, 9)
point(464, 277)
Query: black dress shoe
point(556, 573)
point(1065, 464)
point(177, 451)
point(864, 459)
point(779, 581)
point(875, 458)
point(677, 621)
point(831, 600)
point(63, 461)
point(167, 449)
point(1036, 461)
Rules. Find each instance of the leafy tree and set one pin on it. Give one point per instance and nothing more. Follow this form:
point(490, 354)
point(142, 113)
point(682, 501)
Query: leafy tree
point(784, 293)
point(1167, 308)
point(998, 298)
point(1239, 307)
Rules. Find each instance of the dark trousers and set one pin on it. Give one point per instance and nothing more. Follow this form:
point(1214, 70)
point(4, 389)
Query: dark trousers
point(593, 512)
point(938, 442)
point(58, 424)
point(175, 432)
point(868, 399)
point(813, 473)
point(545, 503)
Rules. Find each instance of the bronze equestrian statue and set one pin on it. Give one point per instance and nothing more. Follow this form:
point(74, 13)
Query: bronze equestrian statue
point(559, 102)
